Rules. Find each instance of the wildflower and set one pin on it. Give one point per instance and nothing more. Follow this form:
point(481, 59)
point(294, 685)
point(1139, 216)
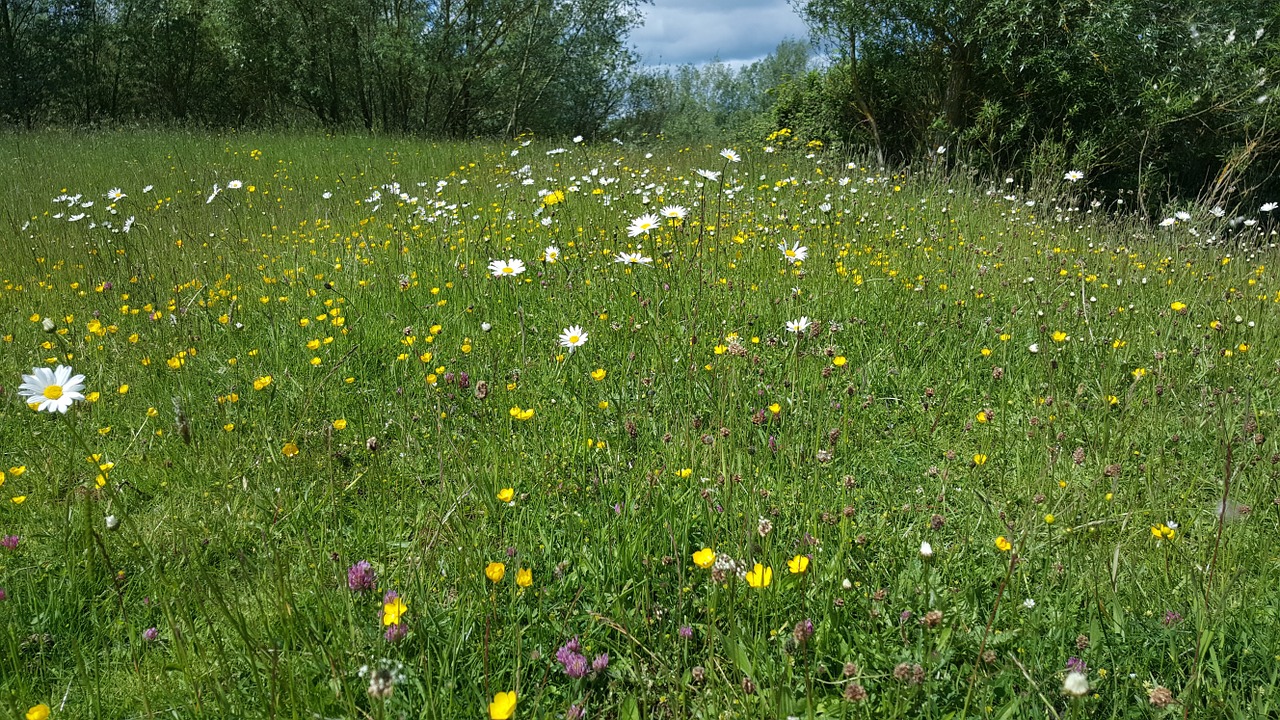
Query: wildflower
point(1003, 544)
point(524, 577)
point(503, 706)
point(1160, 696)
point(798, 565)
point(571, 659)
point(600, 663)
point(685, 632)
point(803, 631)
point(51, 391)
point(759, 576)
point(798, 326)
point(573, 337)
point(1076, 684)
point(1163, 531)
point(262, 382)
point(290, 449)
point(711, 175)
point(1029, 603)
point(1073, 176)
point(598, 374)
point(730, 155)
point(506, 494)
point(674, 212)
point(839, 361)
point(794, 254)
point(9, 542)
point(506, 268)
point(1059, 336)
point(393, 608)
point(1033, 348)
point(550, 254)
point(926, 550)
point(979, 459)
point(495, 571)
point(340, 424)
point(360, 577)
point(39, 712)
point(635, 258)
point(704, 558)
point(516, 413)
point(1178, 307)
point(642, 225)
point(395, 632)
point(1268, 207)
point(553, 198)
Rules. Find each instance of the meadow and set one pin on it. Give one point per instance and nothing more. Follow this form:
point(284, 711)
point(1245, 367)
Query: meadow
point(383, 428)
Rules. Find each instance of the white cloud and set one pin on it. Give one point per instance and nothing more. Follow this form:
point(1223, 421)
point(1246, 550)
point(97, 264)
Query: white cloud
point(697, 31)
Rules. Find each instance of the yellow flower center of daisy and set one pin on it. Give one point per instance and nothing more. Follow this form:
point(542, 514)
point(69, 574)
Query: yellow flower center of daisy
point(572, 339)
point(506, 270)
point(53, 392)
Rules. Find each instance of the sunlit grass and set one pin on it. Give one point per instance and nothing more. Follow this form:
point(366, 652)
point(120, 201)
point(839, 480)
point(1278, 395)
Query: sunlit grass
point(314, 366)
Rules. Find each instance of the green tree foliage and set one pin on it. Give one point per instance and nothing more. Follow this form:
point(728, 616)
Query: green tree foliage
point(1165, 97)
point(450, 67)
point(716, 99)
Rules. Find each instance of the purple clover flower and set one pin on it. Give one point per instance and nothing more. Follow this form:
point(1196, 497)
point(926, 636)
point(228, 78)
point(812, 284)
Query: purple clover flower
point(360, 577)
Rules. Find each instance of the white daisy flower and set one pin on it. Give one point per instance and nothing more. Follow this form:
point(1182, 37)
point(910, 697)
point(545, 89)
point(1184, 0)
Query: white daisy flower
point(794, 254)
point(798, 326)
point(234, 185)
point(674, 212)
point(635, 258)
point(730, 155)
point(506, 268)
point(642, 225)
point(1073, 176)
point(51, 391)
point(115, 194)
point(711, 175)
point(573, 337)
point(551, 254)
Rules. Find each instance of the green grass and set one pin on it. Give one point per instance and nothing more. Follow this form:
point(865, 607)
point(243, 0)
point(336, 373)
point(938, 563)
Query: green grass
point(237, 554)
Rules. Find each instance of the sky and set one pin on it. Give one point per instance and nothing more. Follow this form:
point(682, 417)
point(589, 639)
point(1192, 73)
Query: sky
point(676, 32)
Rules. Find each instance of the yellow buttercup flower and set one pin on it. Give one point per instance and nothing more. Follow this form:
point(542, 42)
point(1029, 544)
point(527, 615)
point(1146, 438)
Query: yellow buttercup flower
point(1178, 306)
point(598, 374)
point(1003, 544)
point(506, 494)
point(503, 706)
point(495, 571)
point(262, 382)
point(760, 576)
point(524, 577)
point(340, 424)
point(979, 459)
point(290, 449)
point(798, 564)
point(704, 558)
point(393, 611)
point(39, 712)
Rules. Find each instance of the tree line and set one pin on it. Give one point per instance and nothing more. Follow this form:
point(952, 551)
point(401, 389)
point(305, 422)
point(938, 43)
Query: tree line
point(1162, 98)
point(457, 68)
point(1157, 98)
